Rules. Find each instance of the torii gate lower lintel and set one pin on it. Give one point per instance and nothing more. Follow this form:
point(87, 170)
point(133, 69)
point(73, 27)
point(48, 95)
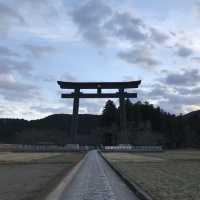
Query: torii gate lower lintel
point(77, 94)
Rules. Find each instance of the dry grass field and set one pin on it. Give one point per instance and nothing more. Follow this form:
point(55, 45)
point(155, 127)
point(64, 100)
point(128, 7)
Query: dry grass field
point(28, 176)
point(10, 157)
point(171, 175)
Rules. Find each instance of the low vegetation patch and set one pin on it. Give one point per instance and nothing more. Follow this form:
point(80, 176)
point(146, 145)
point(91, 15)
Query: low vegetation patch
point(32, 176)
point(173, 175)
point(10, 157)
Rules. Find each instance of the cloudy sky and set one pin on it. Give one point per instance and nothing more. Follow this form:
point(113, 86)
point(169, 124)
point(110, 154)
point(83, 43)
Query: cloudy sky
point(42, 41)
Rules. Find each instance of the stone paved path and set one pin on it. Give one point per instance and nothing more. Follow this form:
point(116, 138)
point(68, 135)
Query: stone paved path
point(95, 180)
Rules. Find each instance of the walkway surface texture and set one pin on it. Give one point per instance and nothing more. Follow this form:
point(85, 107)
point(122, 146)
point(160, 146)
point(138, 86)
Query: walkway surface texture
point(95, 180)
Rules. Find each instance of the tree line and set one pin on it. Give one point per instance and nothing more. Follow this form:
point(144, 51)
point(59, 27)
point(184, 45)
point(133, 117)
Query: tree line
point(146, 125)
point(170, 130)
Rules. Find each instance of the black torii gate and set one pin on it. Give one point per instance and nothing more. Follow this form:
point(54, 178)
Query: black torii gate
point(121, 94)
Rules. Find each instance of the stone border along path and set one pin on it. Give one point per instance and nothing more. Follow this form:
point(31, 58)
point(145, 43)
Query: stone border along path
point(92, 179)
point(140, 193)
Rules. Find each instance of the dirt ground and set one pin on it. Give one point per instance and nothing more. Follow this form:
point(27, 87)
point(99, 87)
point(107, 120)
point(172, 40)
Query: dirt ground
point(28, 176)
point(171, 175)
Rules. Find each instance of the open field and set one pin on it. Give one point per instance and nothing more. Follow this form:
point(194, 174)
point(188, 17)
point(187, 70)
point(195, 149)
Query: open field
point(7, 147)
point(28, 176)
point(9, 157)
point(171, 175)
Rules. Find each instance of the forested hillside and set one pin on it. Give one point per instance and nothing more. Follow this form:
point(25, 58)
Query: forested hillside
point(146, 125)
point(52, 129)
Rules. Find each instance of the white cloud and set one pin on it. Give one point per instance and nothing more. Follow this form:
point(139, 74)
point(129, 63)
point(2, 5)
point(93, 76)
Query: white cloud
point(141, 56)
point(184, 51)
point(6, 78)
point(189, 77)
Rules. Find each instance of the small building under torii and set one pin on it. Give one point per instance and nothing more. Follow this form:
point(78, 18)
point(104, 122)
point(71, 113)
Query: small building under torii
point(121, 94)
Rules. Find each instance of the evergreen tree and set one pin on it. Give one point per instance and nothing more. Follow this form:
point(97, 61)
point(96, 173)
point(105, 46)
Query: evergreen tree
point(129, 110)
point(109, 114)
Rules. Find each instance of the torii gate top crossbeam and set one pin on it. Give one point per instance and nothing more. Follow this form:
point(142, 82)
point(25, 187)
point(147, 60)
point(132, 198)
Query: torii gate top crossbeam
point(96, 85)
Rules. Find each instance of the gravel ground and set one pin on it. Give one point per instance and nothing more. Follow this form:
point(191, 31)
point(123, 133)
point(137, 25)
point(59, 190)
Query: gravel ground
point(33, 178)
point(95, 180)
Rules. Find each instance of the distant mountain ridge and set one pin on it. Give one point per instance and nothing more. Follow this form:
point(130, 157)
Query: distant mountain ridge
point(193, 114)
point(146, 124)
point(57, 123)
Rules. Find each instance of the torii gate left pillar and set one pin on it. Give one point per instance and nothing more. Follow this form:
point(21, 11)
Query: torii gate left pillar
point(74, 123)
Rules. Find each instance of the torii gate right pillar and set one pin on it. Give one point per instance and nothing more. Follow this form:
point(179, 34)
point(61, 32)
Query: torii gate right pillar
point(123, 137)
